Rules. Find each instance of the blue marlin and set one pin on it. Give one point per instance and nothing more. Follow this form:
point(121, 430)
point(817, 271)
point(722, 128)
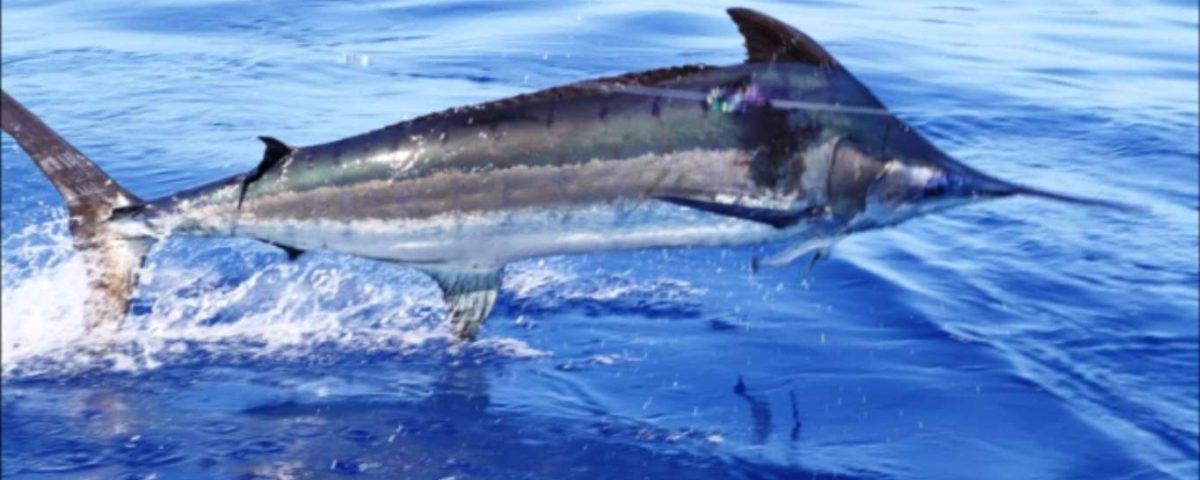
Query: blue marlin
point(787, 149)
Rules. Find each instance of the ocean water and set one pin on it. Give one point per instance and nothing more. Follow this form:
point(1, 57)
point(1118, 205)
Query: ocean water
point(1013, 339)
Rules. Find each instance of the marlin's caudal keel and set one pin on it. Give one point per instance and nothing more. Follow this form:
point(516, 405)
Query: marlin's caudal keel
point(786, 147)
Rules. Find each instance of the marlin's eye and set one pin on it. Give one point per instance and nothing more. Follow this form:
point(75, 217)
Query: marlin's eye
point(936, 187)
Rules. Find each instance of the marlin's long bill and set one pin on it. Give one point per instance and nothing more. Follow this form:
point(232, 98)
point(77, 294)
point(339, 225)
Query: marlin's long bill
point(787, 147)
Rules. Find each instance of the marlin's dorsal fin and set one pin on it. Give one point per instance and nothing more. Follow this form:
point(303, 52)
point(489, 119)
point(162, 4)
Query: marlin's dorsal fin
point(276, 151)
point(770, 40)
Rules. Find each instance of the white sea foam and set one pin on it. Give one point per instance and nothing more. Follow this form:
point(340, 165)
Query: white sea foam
point(196, 303)
point(525, 279)
point(42, 299)
point(200, 300)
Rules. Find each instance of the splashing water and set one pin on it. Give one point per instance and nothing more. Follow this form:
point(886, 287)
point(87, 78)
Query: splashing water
point(189, 310)
point(222, 300)
point(43, 288)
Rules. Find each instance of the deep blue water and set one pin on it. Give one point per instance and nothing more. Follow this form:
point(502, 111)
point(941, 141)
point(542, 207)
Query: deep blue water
point(1014, 339)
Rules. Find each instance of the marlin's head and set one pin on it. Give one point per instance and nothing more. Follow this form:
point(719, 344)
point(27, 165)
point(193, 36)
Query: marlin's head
point(912, 178)
point(903, 190)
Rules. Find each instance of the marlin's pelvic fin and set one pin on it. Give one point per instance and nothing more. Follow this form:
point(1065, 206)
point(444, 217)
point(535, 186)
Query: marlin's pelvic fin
point(292, 252)
point(820, 248)
point(817, 256)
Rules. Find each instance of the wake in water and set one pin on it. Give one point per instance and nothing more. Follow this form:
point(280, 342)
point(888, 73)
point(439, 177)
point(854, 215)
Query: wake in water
point(222, 301)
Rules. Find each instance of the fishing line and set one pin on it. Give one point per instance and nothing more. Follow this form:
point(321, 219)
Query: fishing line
point(704, 97)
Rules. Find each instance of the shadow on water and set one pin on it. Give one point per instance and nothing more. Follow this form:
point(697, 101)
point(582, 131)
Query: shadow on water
point(760, 412)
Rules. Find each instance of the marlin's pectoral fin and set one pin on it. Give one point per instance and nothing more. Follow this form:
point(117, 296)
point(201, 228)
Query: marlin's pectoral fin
point(469, 295)
point(774, 217)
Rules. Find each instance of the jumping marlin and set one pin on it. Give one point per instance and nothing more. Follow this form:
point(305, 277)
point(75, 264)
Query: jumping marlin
point(787, 148)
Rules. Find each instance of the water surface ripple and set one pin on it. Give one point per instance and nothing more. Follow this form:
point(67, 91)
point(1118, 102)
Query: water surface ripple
point(1016, 339)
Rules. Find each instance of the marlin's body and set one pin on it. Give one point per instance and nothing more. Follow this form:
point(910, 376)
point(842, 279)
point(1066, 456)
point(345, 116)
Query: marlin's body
point(786, 148)
point(569, 170)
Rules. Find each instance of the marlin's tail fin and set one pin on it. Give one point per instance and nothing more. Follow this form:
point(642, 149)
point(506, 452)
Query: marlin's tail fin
point(112, 260)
